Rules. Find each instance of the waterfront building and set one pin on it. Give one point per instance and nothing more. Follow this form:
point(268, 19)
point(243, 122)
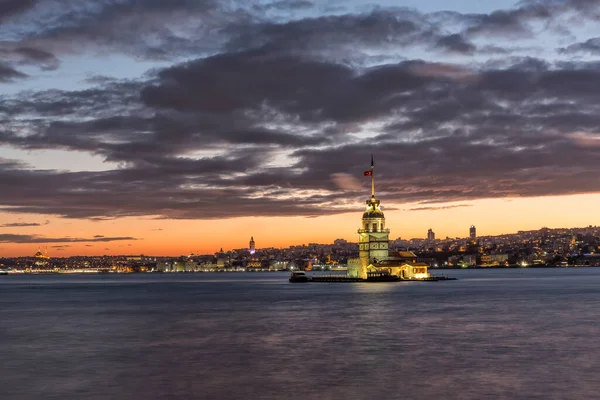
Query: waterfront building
point(494, 260)
point(373, 245)
point(254, 264)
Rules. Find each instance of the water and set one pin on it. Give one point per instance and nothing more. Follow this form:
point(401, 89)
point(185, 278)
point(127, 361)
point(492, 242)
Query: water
point(492, 334)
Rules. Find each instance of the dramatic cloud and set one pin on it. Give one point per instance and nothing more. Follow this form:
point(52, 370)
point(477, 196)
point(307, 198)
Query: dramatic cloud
point(273, 109)
point(12, 238)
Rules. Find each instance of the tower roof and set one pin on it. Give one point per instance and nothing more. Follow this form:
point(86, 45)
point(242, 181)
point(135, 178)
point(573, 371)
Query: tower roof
point(373, 213)
point(373, 210)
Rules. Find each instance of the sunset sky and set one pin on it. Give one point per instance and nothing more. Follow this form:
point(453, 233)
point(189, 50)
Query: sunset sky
point(180, 126)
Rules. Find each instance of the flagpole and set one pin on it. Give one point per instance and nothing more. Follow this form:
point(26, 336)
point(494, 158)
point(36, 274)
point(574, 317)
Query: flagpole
point(372, 177)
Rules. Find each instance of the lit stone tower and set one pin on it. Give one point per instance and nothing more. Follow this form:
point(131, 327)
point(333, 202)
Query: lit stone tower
point(373, 235)
point(252, 246)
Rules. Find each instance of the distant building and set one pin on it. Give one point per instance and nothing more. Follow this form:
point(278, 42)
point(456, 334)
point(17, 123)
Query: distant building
point(252, 246)
point(464, 260)
point(494, 259)
point(472, 232)
point(221, 259)
point(41, 255)
point(430, 235)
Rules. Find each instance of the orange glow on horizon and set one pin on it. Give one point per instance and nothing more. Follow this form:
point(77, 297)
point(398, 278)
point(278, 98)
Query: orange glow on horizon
point(181, 237)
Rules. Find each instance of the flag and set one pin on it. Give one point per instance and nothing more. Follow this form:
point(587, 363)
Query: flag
point(368, 173)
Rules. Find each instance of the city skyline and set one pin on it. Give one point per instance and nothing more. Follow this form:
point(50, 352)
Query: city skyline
point(62, 250)
point(131, 127)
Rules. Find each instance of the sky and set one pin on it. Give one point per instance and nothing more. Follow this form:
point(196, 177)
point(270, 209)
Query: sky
point(186, 126)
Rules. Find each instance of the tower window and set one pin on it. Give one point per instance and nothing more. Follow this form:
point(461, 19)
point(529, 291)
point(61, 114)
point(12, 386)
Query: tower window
point(375, 226)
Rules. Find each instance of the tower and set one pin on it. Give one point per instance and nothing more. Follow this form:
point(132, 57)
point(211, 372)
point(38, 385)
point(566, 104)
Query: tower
point(472, 232)
point(252, 246)
point(373, 236)
point(430, 235)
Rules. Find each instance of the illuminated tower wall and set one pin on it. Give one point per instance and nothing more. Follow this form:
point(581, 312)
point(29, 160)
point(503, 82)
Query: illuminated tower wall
point(472, 232)
point(373, 236)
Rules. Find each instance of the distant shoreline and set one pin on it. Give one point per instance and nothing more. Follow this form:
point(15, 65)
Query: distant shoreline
point(5, 272)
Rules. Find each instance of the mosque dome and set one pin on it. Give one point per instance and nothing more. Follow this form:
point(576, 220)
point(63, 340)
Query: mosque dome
point(39, 254)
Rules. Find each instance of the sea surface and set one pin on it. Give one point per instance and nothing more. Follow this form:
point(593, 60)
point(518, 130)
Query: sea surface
point(491, 334)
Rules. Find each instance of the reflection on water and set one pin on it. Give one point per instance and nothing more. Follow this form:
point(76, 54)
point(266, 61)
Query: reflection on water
point(374, 287)
point(510, 334)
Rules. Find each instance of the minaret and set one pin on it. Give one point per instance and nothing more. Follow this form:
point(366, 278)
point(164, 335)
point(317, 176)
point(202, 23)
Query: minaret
point(252, 246)
point(373, 236)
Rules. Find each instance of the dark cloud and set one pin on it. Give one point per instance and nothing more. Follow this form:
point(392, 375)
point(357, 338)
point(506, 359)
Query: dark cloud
point(506, 22)
point(160, 30)
point(9, 74)
point(439, 208)
point(12, 238)
point(20, 224)
point(28, 56)
point(286, 5)
point(519, 21)
point(456, 43)
point(591, 46)
point(378, 28)
point(319, 91)
point(271, 116)
point(10, 8)
point(483, 133)
point(150, 29)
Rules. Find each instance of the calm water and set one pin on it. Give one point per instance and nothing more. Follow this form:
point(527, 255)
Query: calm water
point(497, 334)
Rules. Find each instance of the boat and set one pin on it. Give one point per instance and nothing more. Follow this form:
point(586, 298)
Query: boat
point(381, 276)
point(299, 276)
point(3, 272)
